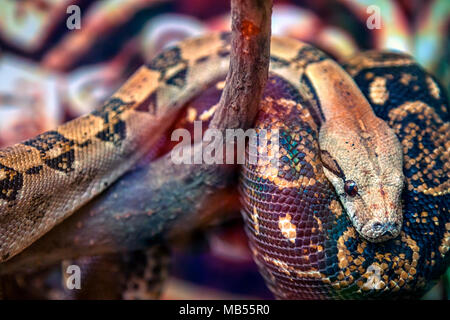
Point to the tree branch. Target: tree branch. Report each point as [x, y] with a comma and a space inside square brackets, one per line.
[249, 64]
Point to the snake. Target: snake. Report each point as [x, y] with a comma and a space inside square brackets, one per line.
[354, 205]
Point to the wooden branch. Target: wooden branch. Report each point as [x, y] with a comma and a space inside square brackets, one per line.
[249, 64]
[162, 197]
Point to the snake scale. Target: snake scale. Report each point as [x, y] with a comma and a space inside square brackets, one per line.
[354, 207]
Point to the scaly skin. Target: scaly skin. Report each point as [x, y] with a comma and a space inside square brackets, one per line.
[305, 244]
[45, 179]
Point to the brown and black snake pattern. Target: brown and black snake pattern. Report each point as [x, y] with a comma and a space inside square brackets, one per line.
[300, 235]
[302, 240]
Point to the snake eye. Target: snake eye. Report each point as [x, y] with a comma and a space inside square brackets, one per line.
[350, 188]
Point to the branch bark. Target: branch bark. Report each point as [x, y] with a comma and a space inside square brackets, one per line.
[249, 64]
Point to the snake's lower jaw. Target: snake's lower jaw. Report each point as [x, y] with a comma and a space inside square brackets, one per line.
[379, 231]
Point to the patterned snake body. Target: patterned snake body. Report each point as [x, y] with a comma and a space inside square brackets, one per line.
[47, 178]
[305, 245]
[301, 238]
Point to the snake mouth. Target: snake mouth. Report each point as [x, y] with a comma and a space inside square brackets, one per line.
[379, 231]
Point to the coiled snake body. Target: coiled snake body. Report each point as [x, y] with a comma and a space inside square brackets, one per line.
[388, 243]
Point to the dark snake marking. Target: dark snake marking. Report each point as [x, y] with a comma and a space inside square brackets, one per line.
[225, 37]
[149, 104]
[383, 56]
[34, 170]
[178, 79]
[165, 60]
[279, 61]
[312, 95]
[39, 205]
[224, 52]
[11, 184]
[115, 130]
[202, 59]
[307, 55]
[330, 163]
[48, 141]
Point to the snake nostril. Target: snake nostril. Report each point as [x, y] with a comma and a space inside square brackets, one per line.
[384, 229]
[377, 226]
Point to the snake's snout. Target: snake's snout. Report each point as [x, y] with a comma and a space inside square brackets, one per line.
[376, 231]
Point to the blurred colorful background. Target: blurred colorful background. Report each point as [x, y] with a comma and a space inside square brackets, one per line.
[58, 61]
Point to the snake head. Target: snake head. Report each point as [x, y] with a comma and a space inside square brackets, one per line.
[363, 161]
